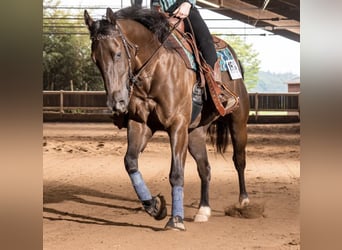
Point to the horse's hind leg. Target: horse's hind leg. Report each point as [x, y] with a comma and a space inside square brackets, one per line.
[138, 136]
[238, 132]
[198, 150]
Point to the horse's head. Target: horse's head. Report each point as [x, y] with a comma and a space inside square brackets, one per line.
[109, 53]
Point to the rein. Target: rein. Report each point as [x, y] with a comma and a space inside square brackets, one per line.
[133, 78]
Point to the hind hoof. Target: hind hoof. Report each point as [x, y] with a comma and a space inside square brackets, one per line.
[175, 223]
[203, 214]
[244, 202]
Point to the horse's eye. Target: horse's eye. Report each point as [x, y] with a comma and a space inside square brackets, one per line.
[117, 56]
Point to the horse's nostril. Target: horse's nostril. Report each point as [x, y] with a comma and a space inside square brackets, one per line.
[120, 106]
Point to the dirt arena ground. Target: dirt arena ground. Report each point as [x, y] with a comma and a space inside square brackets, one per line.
[89, 202]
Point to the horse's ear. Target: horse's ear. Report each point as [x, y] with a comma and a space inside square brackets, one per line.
[110, 16]
[87, 19]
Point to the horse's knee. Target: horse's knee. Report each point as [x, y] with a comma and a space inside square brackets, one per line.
[177, 178]
[131, 164]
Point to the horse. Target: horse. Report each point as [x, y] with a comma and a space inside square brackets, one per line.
[148, 85]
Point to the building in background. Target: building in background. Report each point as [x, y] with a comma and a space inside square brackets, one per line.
[293, 85]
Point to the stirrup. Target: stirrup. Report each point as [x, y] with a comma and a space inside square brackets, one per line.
[228, 99]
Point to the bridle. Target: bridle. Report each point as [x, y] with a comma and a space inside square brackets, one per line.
[131, 51]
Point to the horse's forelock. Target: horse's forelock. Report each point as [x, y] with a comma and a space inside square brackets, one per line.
[101, 27]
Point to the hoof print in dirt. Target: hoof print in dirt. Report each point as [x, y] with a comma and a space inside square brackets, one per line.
[250, 211]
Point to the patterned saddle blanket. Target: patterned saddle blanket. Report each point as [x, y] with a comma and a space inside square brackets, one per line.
[227, 60]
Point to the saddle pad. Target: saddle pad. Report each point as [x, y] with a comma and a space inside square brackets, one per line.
[228, 63]
[191, 63]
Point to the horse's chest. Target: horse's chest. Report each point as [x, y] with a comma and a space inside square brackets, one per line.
[141, 109]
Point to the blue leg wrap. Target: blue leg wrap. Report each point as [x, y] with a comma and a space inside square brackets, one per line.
[177, 202]
[140, 186]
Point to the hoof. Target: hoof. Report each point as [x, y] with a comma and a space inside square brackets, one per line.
[203, 214]
[175, 223]
[244, 202]
[158, 208]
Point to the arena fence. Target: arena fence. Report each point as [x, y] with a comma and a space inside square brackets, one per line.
[263, 106]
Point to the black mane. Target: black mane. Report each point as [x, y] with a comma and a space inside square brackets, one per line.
[155, 21]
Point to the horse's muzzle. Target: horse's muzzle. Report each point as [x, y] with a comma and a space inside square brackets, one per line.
[120, 107]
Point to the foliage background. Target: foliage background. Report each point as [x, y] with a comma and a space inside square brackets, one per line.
[66, 52]
[248, 57]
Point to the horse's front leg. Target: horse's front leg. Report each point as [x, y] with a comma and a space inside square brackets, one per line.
[198, 150]
[138, 136]
[179, 142]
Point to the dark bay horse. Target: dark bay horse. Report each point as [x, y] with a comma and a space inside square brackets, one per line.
[149, 85]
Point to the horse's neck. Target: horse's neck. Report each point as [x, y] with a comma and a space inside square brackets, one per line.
[144, 41]
[139, 35]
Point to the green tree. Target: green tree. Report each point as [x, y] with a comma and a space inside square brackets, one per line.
[66, 52]
[248, 57]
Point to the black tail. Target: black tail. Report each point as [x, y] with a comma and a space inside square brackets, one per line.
[219, 134]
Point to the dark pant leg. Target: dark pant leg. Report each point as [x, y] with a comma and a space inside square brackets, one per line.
[203, 37]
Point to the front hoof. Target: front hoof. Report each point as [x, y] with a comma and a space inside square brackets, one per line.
[203, 214]
[175, 223]
[157, 209]
[160, 207]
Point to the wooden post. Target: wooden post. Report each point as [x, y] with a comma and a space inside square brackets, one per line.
[256, 106]
[61, 100]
